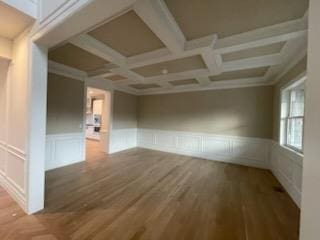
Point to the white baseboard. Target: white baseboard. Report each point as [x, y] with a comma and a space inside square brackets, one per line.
[14, 191]
[238, 150]
[287, 166]
[122, 139]
[12, 167]
[64, 149]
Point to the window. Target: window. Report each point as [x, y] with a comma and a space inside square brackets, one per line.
[292, 116]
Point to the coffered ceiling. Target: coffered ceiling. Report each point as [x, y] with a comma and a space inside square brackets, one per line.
[76, 57]
[160, 46]
[127, 34]
[173, 66]
[199, 18]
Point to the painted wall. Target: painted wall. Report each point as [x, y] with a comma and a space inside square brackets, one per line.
[4, 68]
[5, 48]
[65, 143]
[14, 120]
[287, 165]
[245, 112]
[311, 175]
[124, 110]
[64, 105]
[292, 74]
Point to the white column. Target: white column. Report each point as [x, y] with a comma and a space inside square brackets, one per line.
[310, 211]
[37, 128]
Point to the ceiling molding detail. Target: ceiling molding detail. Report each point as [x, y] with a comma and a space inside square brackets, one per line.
[155, 14]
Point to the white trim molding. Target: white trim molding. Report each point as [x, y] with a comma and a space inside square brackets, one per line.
[64, 149]
[287, 166]
[238, 150]
[7, 178]
[122, 139]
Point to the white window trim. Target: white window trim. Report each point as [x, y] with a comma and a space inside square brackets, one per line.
[287, 87]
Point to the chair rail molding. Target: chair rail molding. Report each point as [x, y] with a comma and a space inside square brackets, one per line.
[238, 150]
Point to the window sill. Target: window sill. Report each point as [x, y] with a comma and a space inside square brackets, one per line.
[292, 150]
[295, 155]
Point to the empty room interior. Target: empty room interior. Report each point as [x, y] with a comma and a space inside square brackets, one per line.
[159, 119]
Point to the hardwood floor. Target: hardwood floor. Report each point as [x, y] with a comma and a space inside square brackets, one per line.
[142, 194]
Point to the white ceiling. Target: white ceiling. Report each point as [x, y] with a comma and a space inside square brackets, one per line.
[12, 21]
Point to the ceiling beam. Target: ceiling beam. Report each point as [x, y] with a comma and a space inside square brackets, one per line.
[104, 71]
[256, 38]
[158, 18]
[204, 81]
[255, 62]
[98, 48]
[262, 37]
[192, 48]
[213, 62]
[292, 53]
[213, 85]
[249, 63]
[117, 61]
[63, 70]
[128, 74]
[178, 76]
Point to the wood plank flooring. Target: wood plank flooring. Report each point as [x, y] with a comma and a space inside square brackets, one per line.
[148, 195]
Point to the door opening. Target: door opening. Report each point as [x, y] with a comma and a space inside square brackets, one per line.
[97, 120]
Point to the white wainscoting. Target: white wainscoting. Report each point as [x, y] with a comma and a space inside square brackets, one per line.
[287, 166]
[122, 139]
[239, 150]
[64, 149]
[12, 168]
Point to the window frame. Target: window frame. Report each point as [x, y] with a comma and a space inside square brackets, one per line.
[288, 89]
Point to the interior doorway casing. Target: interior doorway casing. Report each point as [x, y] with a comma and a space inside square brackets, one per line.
[106, 122]
[72, 19]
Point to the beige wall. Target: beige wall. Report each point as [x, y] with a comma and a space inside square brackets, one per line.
[65, 105]
[124, 110]
[5, 48]
[240, 112]
[297, 70]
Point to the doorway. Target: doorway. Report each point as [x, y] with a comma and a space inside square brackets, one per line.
[97, 123]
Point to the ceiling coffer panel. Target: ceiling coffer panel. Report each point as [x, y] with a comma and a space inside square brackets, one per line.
[240, 74]
[229, 17]
[184, 82]
[142, 86]
[76, 57]
[254, 52]
[174, 66]
[128, 35]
